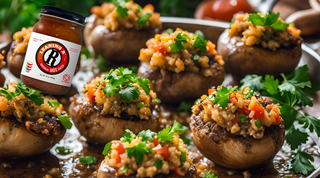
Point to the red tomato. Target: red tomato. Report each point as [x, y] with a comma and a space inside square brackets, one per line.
[91, 93]
[222, 9]
[165, 152]
[159, 47]
[155, 141]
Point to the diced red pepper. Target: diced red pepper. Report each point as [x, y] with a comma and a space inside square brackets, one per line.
[245, 110]
[115, 155]
[165, 152]
[119, 147]
[210, 91]
[258, 110]
[91, 92]
[155, 141]
[159, 47]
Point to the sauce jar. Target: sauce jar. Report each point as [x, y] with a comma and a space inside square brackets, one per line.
[53, 51]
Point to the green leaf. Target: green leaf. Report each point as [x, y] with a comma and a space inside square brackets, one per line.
[280, 26]
[128, 136]
[7, 94]
[183, 157]
[222, 97]
[53, 103]
[209, 175]
[186, 140]
[88, 160]
[34, 95]
[272, 18]
[169, 31]
[295, 137]
[271, 84]
[253, 81]
[65, 121]
[232, 22]
[180, 38]
[165, 135]
[184, 106]
[122, 12]
[256, 19]
[196, 57]
[144, 83]
[158, 100]
[178, 128]
[258, 123]
[250, 93]
[138, 151]
[301, 163]
[288, 114]
[303, 99]
[61, 150]
[144, 19]
[124, 170]
[102, 63]
[140, 105]
[129, 93]
[199, 32]
[200, 43]
[110, 90]
[158, 164]
[107, 148]
[147, 135]
[314, 124]
[300, 77]
[243, 118]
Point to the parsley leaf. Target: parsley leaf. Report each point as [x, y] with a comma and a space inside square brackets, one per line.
[110, 90]
[178, 128]
[271, 84]
[180, 38]
[186, 140]
[28, 92]
[53, 103]
[301, 164]
[107, 148]
[140, 105]
[183, 157]
[311, 122]
[280, 26]
[184, 106]
[128, 136]
[209, 175]
[121, 10]
[144, 19]
[253, 82]
[222, 97]
[147, 135]
[124, 170]
[258, 123]
[144, 83]
[169, 31]
[138, 151]
[7, 94]
[256, 19]
[88, 160]
[165, 135]
[129, 93]
[243, 118]
[272, 18]
[65, 121]
[201, 43]
[199, 32]
[158, 164]
[295, 137]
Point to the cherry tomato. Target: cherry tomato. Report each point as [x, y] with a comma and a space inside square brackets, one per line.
[222, 9]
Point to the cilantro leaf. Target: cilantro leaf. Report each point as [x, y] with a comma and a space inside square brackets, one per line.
[300, 77]
[271, 18]
[124, 170]
[311, 122]
[28, 92]
[178, 128]
[256, 19]
[129, 93]
[184, 106]
[7, 94]
[144, 83]
[110, 90]
[53, 103]
[65, 121]
[147, 135]
[301, 163]
[128, 136]
[88, 160]
[243, 118]
[107, 148]
[209, 175]
[183, 157]
[295, 137]
[138, 151]
[122, 11]
[180, 38]
[271, 84]
[201, 43]
[144, 19]
[222, 97]
[165, 135]
[253, 82]
[280, 26]
[158, 164]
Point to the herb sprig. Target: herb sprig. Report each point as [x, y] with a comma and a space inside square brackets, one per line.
[271, 19]
[291, 94]
[222, 96]
[121, 10]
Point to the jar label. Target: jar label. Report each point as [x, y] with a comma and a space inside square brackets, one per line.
[51, 59]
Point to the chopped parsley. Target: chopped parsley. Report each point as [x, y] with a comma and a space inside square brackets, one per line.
[222, 96]
[144, 19]
[199, 32]
[258, 123]
[88, 160]
[178, 128]
[128, 136]
[169, 31]
[65, 121]
[183, 157]
[200, 42]
[158, 164]
[121, 10]
[243, 118]
[301, 163]
[180, 38]
[124, 170]
[158, 100]
[138, 151]
[107, 148]
[166, 135]
[128, 94]
[186, 140]
[271, 19]
[61, 150]
[53, 103]
[209, 175]
[140, 105]
[147, 135]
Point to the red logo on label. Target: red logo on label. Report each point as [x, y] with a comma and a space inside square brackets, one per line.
[52, 57]
[29, 66]
[66, 78]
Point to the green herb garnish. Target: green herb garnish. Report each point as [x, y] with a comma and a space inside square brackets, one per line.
[183, 157]
[178, 128]
[196, 57]
[53, 103]
[222, 96]
[140, 105]
[169, 31]
[200, 42]
[147, 135]
[138, 151]
[128, 136]
[186, 140]
[124, 170]
[107, 148]
[65, 121]
[243, 118]
[166, 135]
[121, 10]
[301, 163]
[184, 106]
[144, 19]
[61, 150]
[158, 164]
[258, 123]
[209, 175]
[272, 20]
[88, 160]
[180, 38]
[158, 100]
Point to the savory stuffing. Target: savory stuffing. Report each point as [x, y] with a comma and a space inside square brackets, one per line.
[121, 92]
[180, 51]
[21, 40]
[27, 106]
[149, 153]
[240, 112]
[2, 62]
[268, 31]
[126, 14]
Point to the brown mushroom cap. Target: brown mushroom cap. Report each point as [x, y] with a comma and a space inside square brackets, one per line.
[241, 59]
[16, 141]
[97, 128]
[233, 151]
[174, 87]
[119, 46]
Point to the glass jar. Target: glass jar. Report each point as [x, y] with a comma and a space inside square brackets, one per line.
[53, 51]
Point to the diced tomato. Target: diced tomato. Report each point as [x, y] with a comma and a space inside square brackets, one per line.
[210, 91]
[119, 147]
[258, 110]
[244, 110]
[91, 92]
[155, 141]
[178, 171]
[115, 155]
[3, 103]
[159, 47]
[165, 152]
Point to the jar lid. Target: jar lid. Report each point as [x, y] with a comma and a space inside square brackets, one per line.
[66, 14]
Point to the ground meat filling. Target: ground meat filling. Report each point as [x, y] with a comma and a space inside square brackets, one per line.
[107, 15]
[21, 39]
[161, 54]
[38, 118]
[264, 36]
[248, 117]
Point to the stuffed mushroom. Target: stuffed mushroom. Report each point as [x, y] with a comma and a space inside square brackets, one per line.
[113, 103]
[147, 154]
[30, 123]
[120, 30]
[260, 44]
[180, 65]
[2, 64]
[237, 129]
